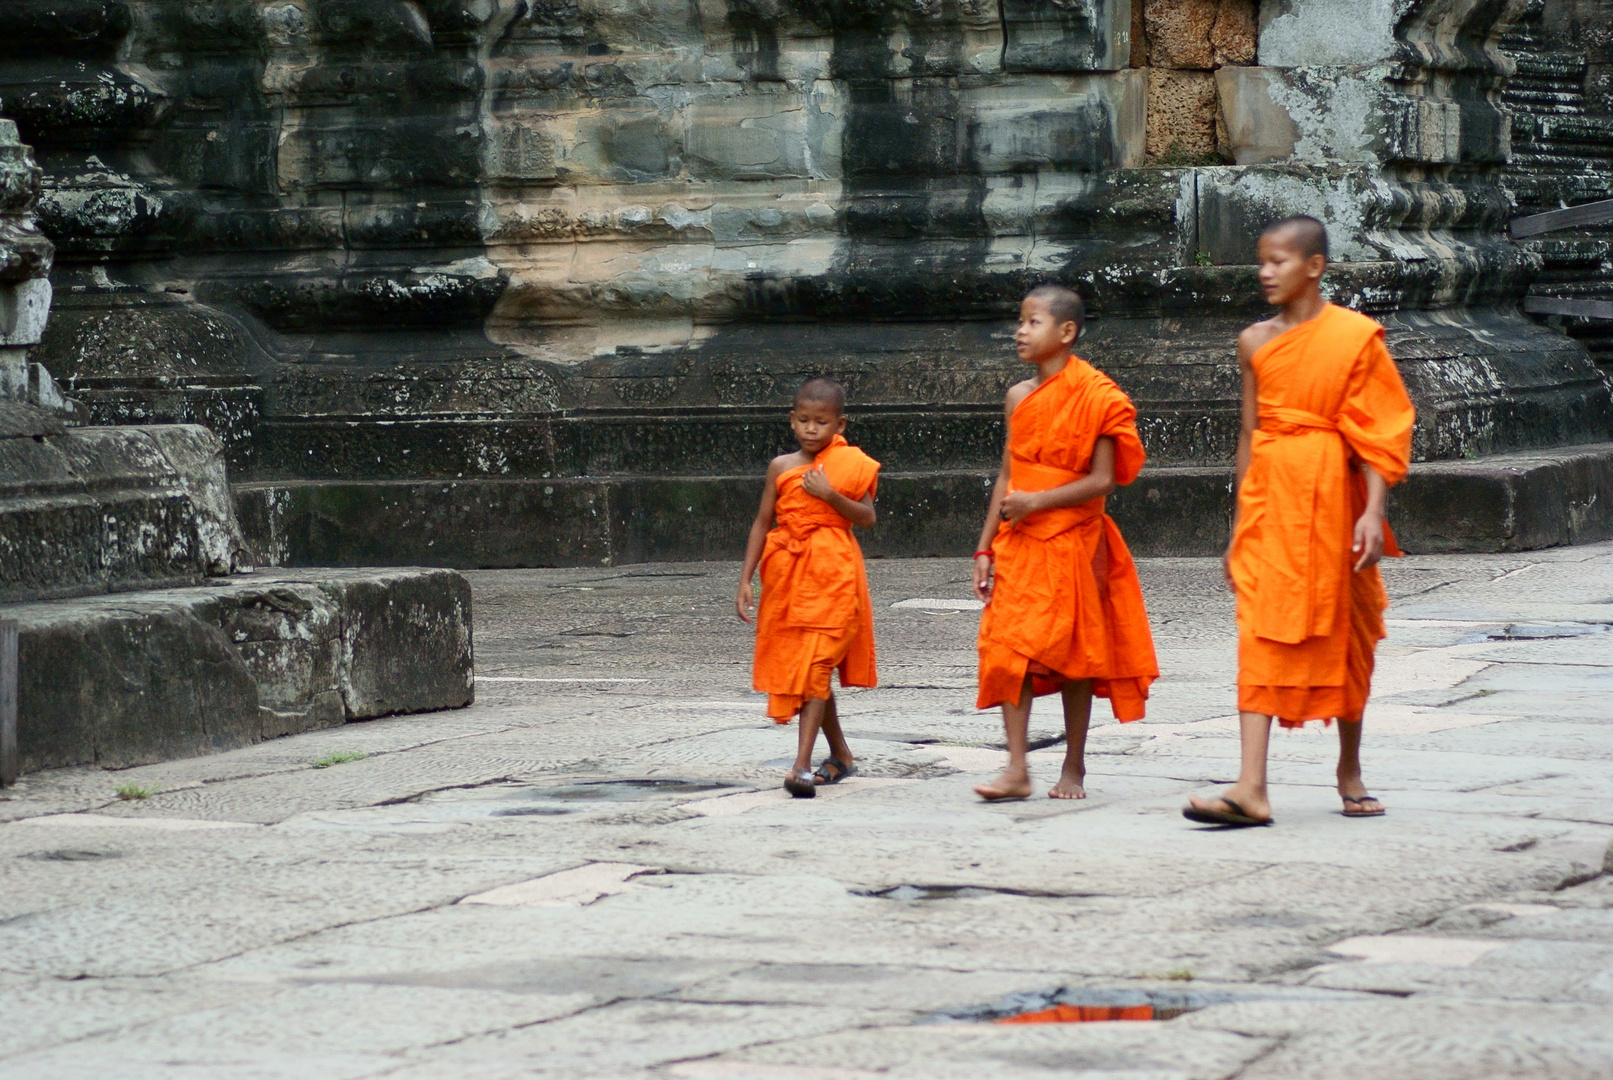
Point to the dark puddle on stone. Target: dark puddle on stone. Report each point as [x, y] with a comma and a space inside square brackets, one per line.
[532, 811]
[1076, 1005]
[71, 855]
[617, 791]
[919, 893]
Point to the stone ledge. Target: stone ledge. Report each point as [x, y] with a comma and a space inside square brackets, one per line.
[141, 677]
[1502, 503]
[605, 520]
[1508, 502]
[100, 509]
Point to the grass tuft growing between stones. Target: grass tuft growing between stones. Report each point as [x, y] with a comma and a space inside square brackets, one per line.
[340, 757]
[135, 791]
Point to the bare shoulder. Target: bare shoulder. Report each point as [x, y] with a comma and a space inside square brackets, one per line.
[1256, 335]
[1017, 393]
[785, 462]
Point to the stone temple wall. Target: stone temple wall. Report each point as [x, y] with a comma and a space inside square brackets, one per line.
[394, 249]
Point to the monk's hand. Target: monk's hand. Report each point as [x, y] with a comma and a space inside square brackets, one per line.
[1017, 504]
[1367, 545]
[816, 484]
[1226, 568]
[745, 602]
[983, 579]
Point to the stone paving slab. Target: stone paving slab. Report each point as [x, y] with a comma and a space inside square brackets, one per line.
[592, 872]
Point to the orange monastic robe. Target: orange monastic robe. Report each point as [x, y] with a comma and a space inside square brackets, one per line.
[815, 615]
[1066, 604]
[1330, 398]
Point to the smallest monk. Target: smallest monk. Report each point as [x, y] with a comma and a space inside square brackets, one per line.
[1326, 432]
[815, 615]
[1063, 606]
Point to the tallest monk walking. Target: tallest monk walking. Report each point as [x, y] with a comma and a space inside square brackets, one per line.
[1326, 432]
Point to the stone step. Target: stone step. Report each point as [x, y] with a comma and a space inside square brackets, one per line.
[1506, 502]
[98, 509]
[148, 676]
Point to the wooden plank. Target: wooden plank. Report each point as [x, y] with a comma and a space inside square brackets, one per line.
[8, 701]
[1553, 305]
[1594, 213]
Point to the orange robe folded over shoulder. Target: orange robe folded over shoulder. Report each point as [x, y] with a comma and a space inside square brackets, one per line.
[815, 615]
[1066, 603]
[1308, 624]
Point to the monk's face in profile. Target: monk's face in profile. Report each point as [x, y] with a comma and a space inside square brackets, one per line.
[815, 424]
[1041, 336]
[1286, 271]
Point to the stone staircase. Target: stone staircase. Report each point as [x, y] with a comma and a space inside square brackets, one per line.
[1562, 155]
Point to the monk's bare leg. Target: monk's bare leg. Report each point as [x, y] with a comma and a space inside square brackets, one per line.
[1249, 793]
[1349, 773]
[839, 749]
[1015, 781]
[812, 713]
[1077, 717]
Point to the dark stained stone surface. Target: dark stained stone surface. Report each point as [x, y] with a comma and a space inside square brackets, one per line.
[149, 676]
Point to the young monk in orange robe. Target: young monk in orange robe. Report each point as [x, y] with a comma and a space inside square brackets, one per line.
[1326, 431]
[815, 615]
[1064, 609]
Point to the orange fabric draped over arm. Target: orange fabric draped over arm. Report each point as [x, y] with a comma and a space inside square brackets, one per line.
[815, 615]
[1330, 399]
[1066, 604]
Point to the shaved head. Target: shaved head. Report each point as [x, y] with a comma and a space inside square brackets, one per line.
[1308, 235]
[1064, 304]
[823, 391]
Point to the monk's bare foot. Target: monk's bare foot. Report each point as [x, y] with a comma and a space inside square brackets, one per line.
[1242, 803]
[1070, 786]
[1357, 803]
[1010, 785]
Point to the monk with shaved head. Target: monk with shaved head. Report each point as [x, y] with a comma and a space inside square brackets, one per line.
[1326, 429]
[1063, 606]
[815, 616]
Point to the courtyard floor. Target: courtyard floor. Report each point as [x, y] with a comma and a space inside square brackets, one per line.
[593, 872]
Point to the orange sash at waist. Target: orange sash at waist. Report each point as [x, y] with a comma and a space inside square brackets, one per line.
[1285, 421]
[1024, 475]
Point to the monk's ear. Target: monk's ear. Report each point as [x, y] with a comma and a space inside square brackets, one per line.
[840, 424]
[1316, 266]
[1068, 332]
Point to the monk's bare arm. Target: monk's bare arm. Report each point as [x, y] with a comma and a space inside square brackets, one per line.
[999, 492]
[1097, 483]
[745, 599]
[1249, 343]
[1368, 540]
[859, 512]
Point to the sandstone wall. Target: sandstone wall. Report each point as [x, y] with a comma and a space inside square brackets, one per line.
[504, 238]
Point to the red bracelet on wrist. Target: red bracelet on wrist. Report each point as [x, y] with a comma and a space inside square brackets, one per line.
[988, 554]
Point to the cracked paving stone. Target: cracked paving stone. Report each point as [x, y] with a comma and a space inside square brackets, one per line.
[594, 871]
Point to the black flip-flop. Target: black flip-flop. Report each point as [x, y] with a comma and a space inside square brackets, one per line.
[1351, 800]
[821, 775]
[1233, 816]
[800, 785]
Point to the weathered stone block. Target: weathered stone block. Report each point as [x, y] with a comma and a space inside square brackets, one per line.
[24, 309]
[106, 685]
[1057, 35]
[1258, 130]
[1301, 33]
[748, 137]
[97, 509]
[1099, 124]
[1510, 502]
[1199, 34]
[405, 642]
[143, 677]
[1181, 116]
